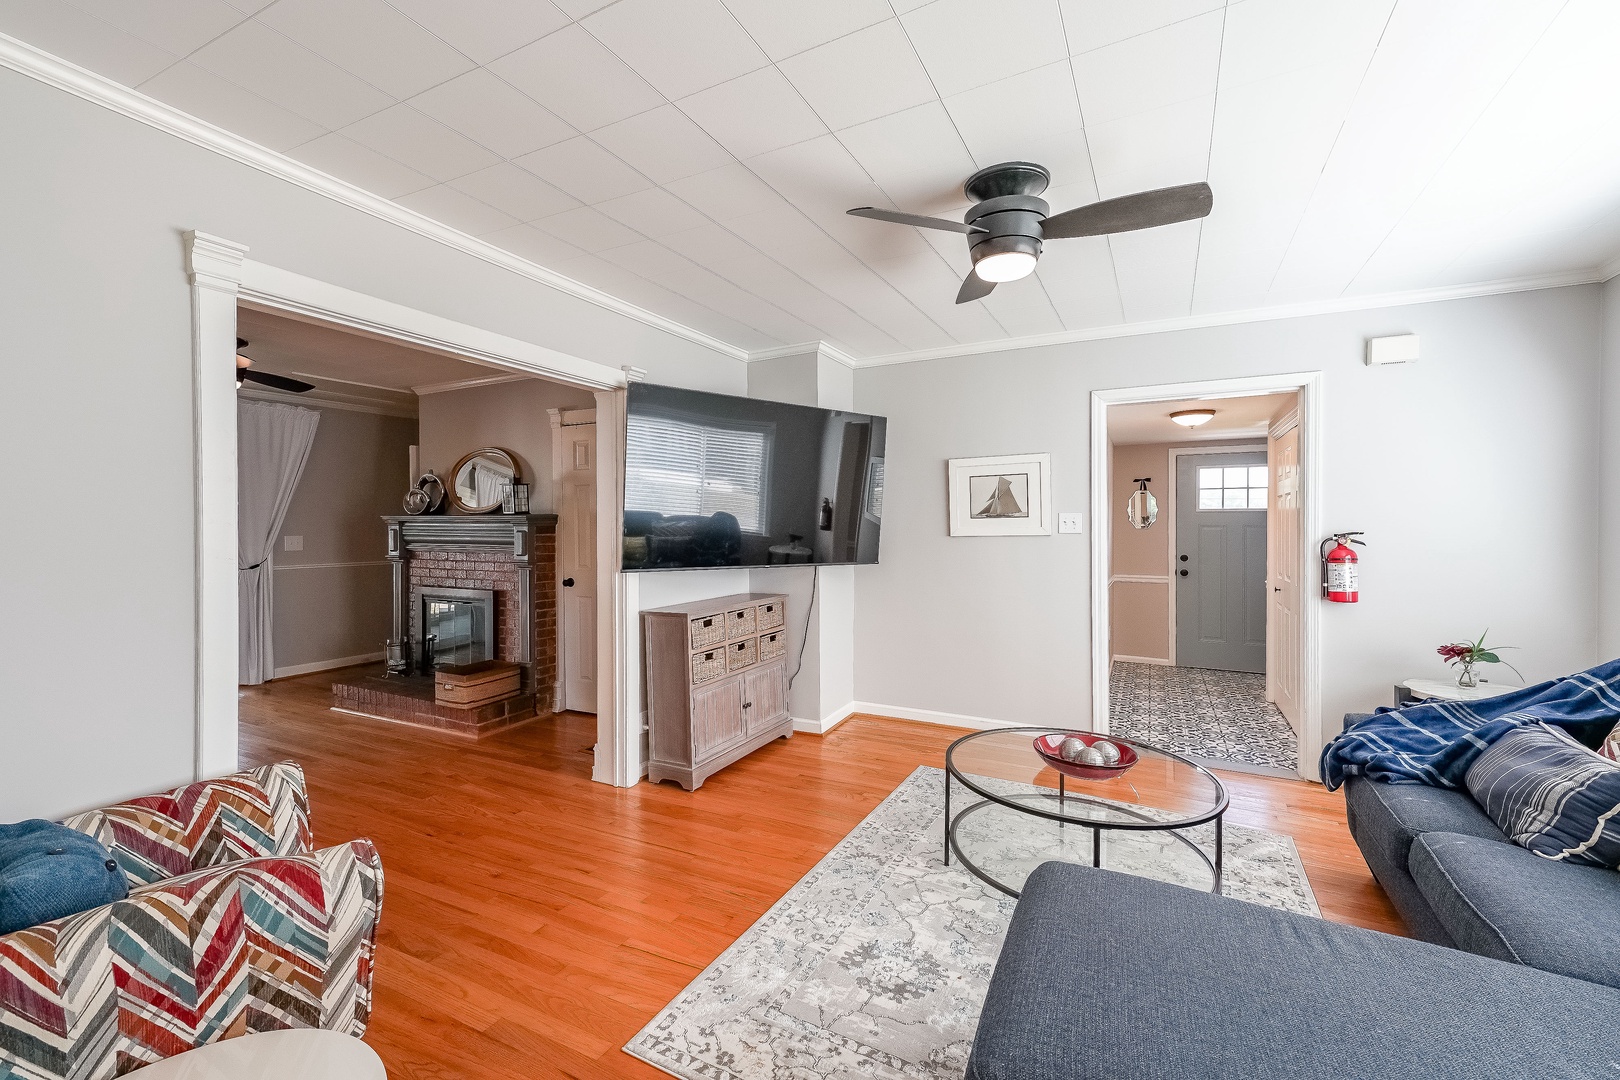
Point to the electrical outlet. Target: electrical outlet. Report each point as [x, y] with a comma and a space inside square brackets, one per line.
[292, 543]
[1069, 523]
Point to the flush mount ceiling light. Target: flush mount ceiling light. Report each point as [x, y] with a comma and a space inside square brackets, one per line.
[1193, 417]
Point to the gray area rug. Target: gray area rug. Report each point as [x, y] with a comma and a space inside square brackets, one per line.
[876, 963]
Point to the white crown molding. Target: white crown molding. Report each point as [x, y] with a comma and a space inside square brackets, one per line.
[37, 64]
[465, 384]
[1609, 269]
[213, 262]
[821, 348]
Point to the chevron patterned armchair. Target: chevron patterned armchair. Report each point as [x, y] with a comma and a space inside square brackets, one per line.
[233, 925]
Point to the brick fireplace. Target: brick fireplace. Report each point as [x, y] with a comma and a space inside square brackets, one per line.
[511, 557]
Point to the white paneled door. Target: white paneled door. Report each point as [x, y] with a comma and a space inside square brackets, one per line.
[1286, 595]
[574, 441]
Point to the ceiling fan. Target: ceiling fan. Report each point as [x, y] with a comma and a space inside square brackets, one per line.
[245, 373]
[1007, 222]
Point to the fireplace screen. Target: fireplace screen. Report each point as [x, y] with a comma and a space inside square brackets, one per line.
[461, 622]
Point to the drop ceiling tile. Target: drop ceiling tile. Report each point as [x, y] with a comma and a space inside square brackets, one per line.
[663, 144]
[819, 174]
[785, 29]
[176, 26]
[578, 78]
[1091, 24]
[65, 31]
[515, 191]
[1034, 116]
[654, 213]
[486, 29]
[729, 192]
[711, 246]
[1266, 38]
[492, 113]
[1158, 148]
[963, 45]
[915, 156]
[1150, 71]
[588, 229]
[1023, 308]
[371, 40]
[421, 142]
[931, 284]
[861, 76]
[530, 243]
[680, 46]
[205, 95]
[455, 208]
[259, 59]
[348, 160]
[759, 112]
[584, 170]
[1078, 274]
[1155, 269]
[578, 9]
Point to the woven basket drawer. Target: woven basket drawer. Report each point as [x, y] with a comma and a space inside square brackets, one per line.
[708, 630]
[741, 654]
[708, 665]
[772, 645]
[740, 623]
[769, 615]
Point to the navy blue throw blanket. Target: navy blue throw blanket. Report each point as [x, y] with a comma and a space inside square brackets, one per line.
[1434, 742]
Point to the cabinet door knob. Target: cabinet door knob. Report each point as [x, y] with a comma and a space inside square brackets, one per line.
[1183, 573]
[568, 583]
[748, 704]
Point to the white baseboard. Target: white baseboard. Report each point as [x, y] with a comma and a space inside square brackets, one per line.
[927, 716]
[828, 722]
[326, 665]
[1122, 659]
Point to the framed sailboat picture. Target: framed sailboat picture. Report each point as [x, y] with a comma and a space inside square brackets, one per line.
[1001, 496]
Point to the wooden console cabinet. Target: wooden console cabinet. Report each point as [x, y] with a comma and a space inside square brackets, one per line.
[717, 683]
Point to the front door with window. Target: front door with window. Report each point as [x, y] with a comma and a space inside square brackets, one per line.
[1220, 563]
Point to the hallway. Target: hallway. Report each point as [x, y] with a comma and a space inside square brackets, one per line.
[1211, 715]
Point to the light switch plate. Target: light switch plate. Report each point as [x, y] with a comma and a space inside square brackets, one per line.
[1069, 523]
[292, 543]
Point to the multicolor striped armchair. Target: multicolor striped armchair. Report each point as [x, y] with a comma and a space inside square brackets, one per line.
[232, 926]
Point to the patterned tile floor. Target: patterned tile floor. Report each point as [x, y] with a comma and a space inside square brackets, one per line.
[1201, 712]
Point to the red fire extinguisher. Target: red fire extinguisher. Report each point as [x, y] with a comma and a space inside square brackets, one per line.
[1340, 573]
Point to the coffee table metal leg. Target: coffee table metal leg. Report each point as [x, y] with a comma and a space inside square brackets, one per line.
[1220, 830]
[1063, 796]
[1096, 847]
[947, 817]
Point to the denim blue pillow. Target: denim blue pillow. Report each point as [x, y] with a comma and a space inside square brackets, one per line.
[1551, 795]
[49, 871]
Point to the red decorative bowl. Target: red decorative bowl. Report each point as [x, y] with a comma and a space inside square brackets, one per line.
[1048, 746]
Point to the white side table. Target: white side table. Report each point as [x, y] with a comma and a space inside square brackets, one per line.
[1410, 690]
[299, 1054]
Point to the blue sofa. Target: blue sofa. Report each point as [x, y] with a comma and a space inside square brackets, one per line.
[1516, 976]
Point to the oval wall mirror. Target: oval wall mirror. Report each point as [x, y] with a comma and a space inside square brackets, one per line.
[1141, 509]
[480, 480]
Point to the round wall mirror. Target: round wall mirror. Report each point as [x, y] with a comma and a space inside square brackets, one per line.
[480, 480]
[1141, 509]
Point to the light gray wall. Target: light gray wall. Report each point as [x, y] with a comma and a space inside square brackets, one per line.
[96, 313]
[1473, 473]
[1608, 577]
[334, 599]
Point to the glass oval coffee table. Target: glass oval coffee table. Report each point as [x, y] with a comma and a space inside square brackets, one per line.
[1026, 813]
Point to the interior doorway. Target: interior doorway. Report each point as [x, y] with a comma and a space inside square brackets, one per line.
[573, 471]
[1201, 643]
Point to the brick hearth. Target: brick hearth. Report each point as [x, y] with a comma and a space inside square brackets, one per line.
[410, 700]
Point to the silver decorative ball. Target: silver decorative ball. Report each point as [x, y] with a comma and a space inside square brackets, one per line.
[1071, 749]
[1092, 756]
[1108, 750]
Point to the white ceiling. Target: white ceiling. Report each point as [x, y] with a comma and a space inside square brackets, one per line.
[695, 157]
[1235, 417]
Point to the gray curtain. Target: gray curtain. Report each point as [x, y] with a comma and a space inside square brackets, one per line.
[273, 444]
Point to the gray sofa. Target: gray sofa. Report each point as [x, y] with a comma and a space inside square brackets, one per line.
[1110, 977]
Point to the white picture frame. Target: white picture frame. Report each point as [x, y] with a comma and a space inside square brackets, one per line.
[1007, 495]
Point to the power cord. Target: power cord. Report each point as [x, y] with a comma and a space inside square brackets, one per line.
[815, 580]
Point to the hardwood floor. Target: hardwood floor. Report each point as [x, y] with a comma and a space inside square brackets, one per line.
[534, 921]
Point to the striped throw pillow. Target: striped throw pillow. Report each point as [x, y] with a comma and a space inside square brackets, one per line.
[1551, 795]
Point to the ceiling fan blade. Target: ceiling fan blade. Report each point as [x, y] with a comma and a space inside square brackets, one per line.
[918, 220]
[275, 382]
[1144, 210]
[974, 287]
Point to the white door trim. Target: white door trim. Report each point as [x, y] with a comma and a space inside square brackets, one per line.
[221, 276]
[1310, 388]
[1171, 495]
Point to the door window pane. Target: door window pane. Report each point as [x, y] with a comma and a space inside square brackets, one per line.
[1232, 487]
[1209, 478]
[1209, 498]
[1257, 476]
[1236, 477]
[1236, 499]
[1257, 498]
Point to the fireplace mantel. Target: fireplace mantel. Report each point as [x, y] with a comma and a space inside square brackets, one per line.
[524, 541]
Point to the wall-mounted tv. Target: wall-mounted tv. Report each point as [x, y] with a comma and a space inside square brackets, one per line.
[713, 480]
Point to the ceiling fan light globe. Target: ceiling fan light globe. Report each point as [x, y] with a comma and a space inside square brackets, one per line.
[1005, 266]
[1192, 417]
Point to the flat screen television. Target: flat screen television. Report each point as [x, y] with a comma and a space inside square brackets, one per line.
[714, 480]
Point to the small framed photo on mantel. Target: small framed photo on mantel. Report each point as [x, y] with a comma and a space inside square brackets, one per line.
[1001, 496]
